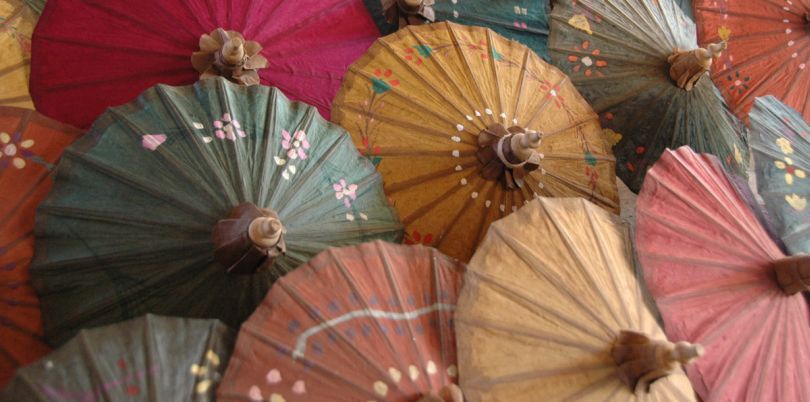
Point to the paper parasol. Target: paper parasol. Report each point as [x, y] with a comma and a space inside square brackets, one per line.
[372, 322]
[191, 200]
[148, 359]
[525, 21]
[780, 140]
[716, 276]
[768, 50]
[29, 146]
[466, 127]
[17, 22]
[551, 310]
[638, 63]
[106, 52]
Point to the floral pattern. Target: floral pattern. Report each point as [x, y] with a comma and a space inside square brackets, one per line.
[295, 144]
[418, 238]
[791, 171]
[417, 53]
[206, 375]
[14, 150]
[553, 93]
[345, 192]
[738, 83]
[590, 64]
[383, 81]
[228, 128]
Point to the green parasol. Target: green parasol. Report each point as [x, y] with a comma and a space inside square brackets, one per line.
[150, 358]
[192, 200]
[638, 63]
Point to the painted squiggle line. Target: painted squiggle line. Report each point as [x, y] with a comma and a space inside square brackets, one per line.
[301, 342]
[95, 394]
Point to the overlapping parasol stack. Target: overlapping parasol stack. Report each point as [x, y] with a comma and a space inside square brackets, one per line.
[17, 22]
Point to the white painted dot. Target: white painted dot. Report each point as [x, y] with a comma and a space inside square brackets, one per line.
[460, 127]
[49, 365]
[455, 1]
[198, 125]
[456, 153]
[395, 374]
[413, 372]
[488, 203]
[587, 61]
[474, 195]
[542, 171]
[553, 92]
[791, 43]
[452, 370]
[455, 14]
[477, 113]
[802, 66]
[381, 388]
[541, 185]
[463, 181]
[455, 138]
[786, 21]
[363, 216]
[794, 55]
[488, 111]
[787, 31]
[738, 83]
[502, 208]
[431, 367]
[503, 116]
[459, 168]
[470, 118]
[514, 121]
[786, 8]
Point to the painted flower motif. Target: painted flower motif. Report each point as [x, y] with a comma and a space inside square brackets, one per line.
[724, 32]
[790, 170]
[552, 93]
[796, 202]
[785, 145]
[228, 128]
[371, 152]
[382, 81]
[417, 53]
[204, 373]
[738, 84]
[346, 192]
[14, 150]
[418, 238]
[482, 47]
[589, 65]
[295, 144]
[612, 137]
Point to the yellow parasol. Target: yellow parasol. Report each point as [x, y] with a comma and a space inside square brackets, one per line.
[466, 126]
[551, 310]
[17, 22]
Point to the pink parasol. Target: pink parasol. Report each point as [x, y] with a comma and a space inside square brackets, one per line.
[92, 54]
[721, 281]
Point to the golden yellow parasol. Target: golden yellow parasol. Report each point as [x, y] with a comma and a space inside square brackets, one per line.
[17, 22]
[467, 126]
[551, 310]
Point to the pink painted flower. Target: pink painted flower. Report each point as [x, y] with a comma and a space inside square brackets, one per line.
[295, 144]
[345, 192]
[228, 128]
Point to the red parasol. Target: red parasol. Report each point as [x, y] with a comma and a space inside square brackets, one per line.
[105, 52]
[29, 145]
[768, 50]
[360, 323]
[721, 281]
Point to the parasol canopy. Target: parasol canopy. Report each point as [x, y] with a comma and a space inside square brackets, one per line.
[525, 21]
[551, 310]
[495, 126]
[720, 280]
[639, 65]
[148, 359]
[780, 140]
[360, 323]
[768, 50]
[29, 146]
[106, 52]
[192, 200]
[17, 22]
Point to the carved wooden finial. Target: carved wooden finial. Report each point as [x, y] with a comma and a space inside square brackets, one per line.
[687, 67]
[642, 360]
[793, 274]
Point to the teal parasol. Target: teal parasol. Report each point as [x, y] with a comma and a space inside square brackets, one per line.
[192, 200]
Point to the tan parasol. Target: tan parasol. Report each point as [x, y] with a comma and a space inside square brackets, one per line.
[551, 310]
[466, 126]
